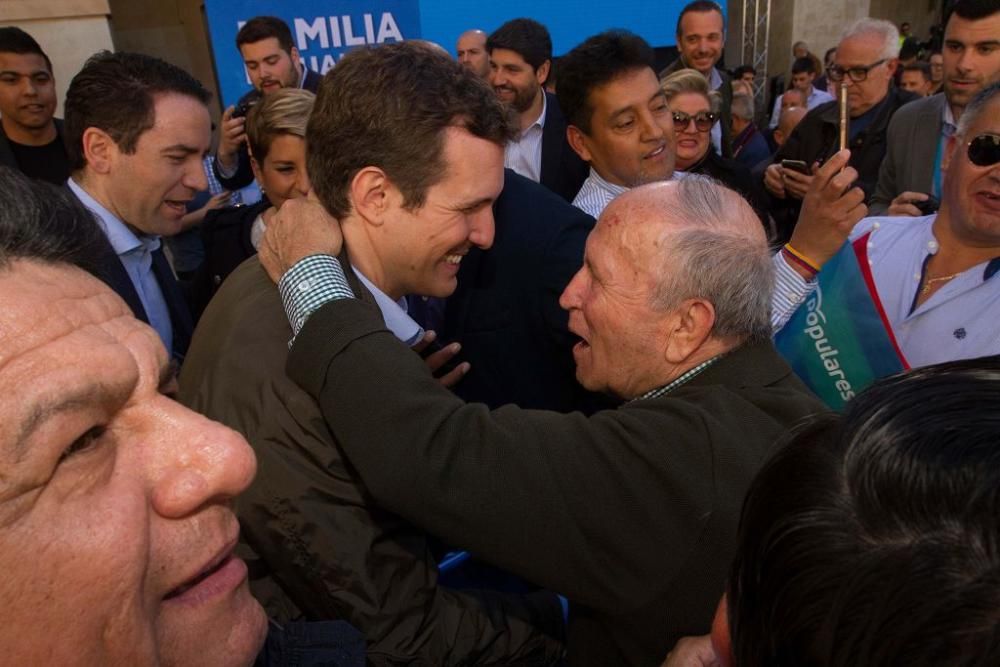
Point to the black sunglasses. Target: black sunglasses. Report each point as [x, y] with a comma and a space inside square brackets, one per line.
[858, 74]
[984, 150]
[703, 120]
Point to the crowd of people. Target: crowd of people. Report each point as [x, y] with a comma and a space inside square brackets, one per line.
[486, 358]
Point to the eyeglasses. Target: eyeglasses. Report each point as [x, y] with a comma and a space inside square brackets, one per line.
[703, 120]
[858, 74]
[984, 150]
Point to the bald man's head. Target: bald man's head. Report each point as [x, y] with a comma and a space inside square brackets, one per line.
[786, 123]
[674, 273]
[471, 52]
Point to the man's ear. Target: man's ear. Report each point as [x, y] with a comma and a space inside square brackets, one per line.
[690, 326]
[295, 56]
[892, 65]
[578, 142]
[371, 195]
[99, 150]
[542, 73]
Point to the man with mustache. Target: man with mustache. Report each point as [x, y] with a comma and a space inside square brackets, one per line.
[911, 172]
[273, 63]
[520, 58]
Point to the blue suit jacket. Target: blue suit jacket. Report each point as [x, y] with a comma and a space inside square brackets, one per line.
[505, 311]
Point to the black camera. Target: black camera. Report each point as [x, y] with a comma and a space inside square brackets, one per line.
[244, 106]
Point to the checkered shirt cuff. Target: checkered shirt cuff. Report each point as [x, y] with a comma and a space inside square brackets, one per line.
[312, 282]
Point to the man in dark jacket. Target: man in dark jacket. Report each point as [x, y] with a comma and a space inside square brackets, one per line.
[324, 548]
[865, 61]
[631, 514]
[520, 58]
[273, 63]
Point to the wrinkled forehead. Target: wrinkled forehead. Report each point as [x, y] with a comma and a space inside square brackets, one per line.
[46, 302]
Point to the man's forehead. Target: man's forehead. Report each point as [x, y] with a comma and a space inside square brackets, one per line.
[261, 49]
[22, 63]
[701, 22]
[629, 89]
[858, 50]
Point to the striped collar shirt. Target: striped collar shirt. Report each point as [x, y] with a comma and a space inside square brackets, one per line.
[597, 193]
[683, 379]
[524, 154]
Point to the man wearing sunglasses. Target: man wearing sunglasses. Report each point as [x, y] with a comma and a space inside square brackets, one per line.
[911, 173]
[935, 276]
[866, 60]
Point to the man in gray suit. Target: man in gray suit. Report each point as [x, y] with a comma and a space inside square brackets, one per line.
[911, 171]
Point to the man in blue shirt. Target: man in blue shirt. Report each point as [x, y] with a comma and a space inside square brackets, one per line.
[136, 163]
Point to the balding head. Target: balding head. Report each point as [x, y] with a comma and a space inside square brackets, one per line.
[787, 122]
[471, 52]
[675, 273]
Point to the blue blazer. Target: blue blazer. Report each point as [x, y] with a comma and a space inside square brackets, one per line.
[505, 311]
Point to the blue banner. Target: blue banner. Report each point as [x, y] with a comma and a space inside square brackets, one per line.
[838, 341]
[323, 31]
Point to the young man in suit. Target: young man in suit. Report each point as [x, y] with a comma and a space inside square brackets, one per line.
[631, 513]
[136, 163]
[520, 58]
[272, 62]
[911, 171]
[413, 186]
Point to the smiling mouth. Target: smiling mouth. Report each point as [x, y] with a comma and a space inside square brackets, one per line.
[453, 259]
[655, 152]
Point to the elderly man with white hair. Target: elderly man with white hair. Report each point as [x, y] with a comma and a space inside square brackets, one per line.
[630, 513]
[866, 59]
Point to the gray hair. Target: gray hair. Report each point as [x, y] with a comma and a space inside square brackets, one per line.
[742, 106]
[719, 257]
[885, 30]
[974, 108]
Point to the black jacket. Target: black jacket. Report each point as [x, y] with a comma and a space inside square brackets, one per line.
[243, 176]
[631, 513]
[505, 311]
[225, 234]
[563, 171]
[817, 137]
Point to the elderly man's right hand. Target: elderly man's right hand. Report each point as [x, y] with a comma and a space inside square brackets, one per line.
[300, 228]
[830, 209]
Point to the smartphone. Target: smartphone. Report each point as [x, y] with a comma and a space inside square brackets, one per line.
[796, 165]
[928, 206]
[243, 108]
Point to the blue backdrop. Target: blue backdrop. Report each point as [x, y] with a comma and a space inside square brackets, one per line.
[326, 29]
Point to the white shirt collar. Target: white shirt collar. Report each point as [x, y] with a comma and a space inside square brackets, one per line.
[122, 239]
[394, 313]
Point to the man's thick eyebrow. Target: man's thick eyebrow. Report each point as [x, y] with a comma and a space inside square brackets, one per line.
[183, 148]
[6, 72]
[90, 395]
